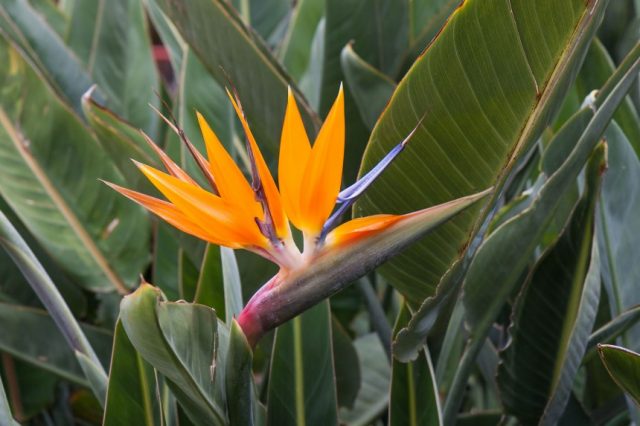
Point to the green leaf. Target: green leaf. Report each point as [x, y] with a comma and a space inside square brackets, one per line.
[373, 397]
[296, 47]
[46, 346]
[165, 262]
[219, 283]
[81, 27]
[500, 259]
[121, 141]
[15, 288]
[379, 34]
[618, 223]
[120, 59]
[553, 318]
[414, 394]
[6, 419]
[232, 52]
[302, 388]
[598, 67]
[426, 17]
[44, 48]
[370, 89]
[48, 9]
[624, 367]
[347, 366]
[488, 61]
[506, 246]
[131, 391]
[95, 375]
[239, 379]
[609, 331]
[50, 165]
[197, 91]
[181, 341]
[270, 19]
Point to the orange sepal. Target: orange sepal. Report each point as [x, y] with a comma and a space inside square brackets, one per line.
[362, 227]
[223, 220]
[323, 173]
[231, 183]
[295, 151]
[272, 194]
[169, 213]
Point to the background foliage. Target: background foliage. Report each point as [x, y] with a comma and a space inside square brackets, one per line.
[508, 314]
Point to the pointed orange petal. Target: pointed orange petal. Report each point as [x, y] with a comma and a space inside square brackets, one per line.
[168, 163]
[295, 150]
[323, 174]
[361, 227]
[271, 190]
[220, 218]
[232, 184]
[169, 213]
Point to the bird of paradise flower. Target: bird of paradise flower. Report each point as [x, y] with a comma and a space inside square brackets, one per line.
[257, 216]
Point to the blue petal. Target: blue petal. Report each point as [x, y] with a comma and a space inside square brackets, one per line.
[349, 195]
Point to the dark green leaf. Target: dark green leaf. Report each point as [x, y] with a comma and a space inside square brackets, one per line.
[414, 393]
[624, 367]
[376, 379]
[521, 234]
[96, 376]
[598, 67]
[121, 141]
[49, 167]
[609, 331]
[553, 318]
[239, 379]
[370, 89]
[44, 48]
[487, 62]
[181, 341]
[507, 244]
[296, 47]
[302, 388]
[347, 366]
[120, 60]
[232, 52]
[378, 32]
[45, 346]
[618, 224]
[131, 391]
[48, 9]
[426, 17]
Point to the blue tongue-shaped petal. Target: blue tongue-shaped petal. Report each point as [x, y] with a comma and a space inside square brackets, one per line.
[349, 195]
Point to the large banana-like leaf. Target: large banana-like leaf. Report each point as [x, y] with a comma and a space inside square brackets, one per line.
[45, 49]
[295, 51]
[624, 367]
[619, 224]
[50, 166]
[302, 388]
[113, 38]
[131, 397]
[181, 341]
[376, 378]
[45, 346]
[234, 54]
[414, 396]
[486, 87]
[553, 318]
